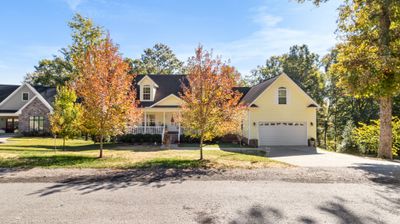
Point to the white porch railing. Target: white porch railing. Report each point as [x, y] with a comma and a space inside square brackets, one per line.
[146, 130]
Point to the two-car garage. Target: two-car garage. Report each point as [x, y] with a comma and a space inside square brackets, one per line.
[282, 133]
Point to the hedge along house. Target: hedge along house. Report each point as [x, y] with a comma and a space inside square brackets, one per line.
[279, 112]
[25, 108]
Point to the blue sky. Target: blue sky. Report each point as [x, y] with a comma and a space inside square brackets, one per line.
[245, 32]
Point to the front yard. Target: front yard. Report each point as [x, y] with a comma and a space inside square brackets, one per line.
[39, 152]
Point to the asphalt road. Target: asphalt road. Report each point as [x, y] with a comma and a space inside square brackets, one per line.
[200, 201]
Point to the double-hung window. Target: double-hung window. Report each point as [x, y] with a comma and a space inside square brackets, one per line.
[36, 123]
[25, 96]
[282, 95]
[146, 92]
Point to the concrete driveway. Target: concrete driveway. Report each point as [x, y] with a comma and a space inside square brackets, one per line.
[315, 157]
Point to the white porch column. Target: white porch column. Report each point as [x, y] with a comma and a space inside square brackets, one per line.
[179, 129]
[164, 119]
[145, 122]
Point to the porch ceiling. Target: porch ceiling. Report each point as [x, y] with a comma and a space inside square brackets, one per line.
[161, 109]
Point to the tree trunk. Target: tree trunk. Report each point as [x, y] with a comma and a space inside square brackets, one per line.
[201, 147]
[63, 143]
[101, 146]
[325, 133]
[335, 131]
[385, 138]
[55, 142]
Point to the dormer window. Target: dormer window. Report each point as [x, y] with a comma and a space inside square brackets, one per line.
[282, 95]
[146, 92]
[25, 96]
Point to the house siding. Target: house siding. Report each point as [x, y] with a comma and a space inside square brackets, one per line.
[35, 108]
[170, 101]
[16, 102]
[296, 109]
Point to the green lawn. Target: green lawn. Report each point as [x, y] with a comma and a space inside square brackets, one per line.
[40, 152]
[212, 146]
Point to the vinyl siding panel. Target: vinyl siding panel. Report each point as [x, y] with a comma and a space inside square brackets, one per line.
[296, 109]
[15, 102]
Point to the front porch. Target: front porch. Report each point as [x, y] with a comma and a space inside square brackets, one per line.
[8, 124]
[155, 121]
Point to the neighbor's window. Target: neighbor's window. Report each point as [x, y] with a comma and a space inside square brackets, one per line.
[282, 95]
[25, 96]
[36, 123]
[146, 92]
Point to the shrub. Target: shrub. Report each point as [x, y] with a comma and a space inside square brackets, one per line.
[189, 139]
[194, 140]
[348, 143]
[140, 138]
[36, 134]
[367, 137]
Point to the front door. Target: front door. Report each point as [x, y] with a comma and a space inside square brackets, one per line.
[11, 125]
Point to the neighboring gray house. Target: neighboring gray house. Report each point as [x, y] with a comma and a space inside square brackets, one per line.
[25, 108]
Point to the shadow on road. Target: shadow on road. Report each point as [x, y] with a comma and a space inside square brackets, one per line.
[381, 173]
[117, 180]
[336, 208]
[258, 214]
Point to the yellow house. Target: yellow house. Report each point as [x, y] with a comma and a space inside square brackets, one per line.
[279, 112]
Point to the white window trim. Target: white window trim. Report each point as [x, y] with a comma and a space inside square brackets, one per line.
[287, 95]
[142, 93]
[295, 84]
[22, 96]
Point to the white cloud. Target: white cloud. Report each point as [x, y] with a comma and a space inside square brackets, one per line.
[73, 4]
[264, 19]
[269, 39]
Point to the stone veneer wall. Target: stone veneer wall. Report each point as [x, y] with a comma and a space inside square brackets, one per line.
[35, 108]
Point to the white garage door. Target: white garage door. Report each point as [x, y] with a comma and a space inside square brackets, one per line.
[282, 133]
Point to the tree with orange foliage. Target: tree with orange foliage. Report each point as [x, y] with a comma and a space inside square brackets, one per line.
[108, 96]
[208, 96]
[233, 122]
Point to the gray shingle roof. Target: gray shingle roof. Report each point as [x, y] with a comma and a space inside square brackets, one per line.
[167, 85]
[242, 90]
[6, 90]
[256, 90]
[48, 93]
[172, 84]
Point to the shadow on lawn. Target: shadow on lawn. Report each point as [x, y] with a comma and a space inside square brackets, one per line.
[152, 174]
